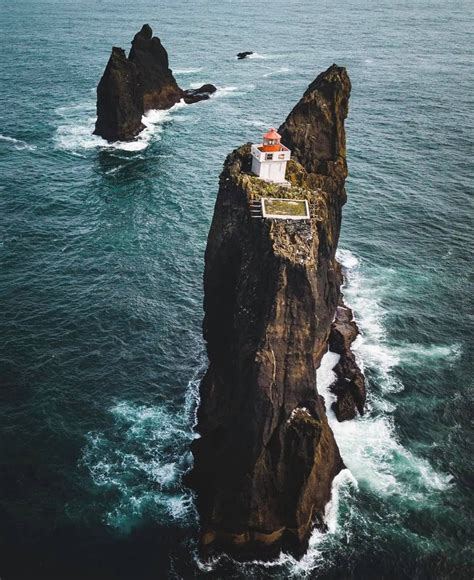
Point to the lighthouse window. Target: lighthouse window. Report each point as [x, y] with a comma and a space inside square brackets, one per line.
[269, 156]
[281, 156]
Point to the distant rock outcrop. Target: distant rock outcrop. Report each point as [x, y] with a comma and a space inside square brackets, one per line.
[266, 456]
[131, 86]
[242, 55]
[202, 93]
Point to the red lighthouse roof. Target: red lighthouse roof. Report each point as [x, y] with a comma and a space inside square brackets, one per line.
[272, 134]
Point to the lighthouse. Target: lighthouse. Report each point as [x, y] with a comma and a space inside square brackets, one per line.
[270, 157]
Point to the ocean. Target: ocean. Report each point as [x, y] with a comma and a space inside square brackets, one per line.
[101, 264]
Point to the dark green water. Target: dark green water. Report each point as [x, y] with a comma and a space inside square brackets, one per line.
[101, 260]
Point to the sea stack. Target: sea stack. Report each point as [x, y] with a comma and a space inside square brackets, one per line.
[132, 85]
[266, 457]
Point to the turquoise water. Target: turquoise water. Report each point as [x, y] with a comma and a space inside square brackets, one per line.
[101, 261]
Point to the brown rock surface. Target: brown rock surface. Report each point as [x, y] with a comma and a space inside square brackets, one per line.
[266, 457]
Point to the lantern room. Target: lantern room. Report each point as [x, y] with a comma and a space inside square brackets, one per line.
[270, 157]
[271, 141]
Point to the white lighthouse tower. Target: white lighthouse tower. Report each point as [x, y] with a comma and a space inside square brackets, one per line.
[270, 157]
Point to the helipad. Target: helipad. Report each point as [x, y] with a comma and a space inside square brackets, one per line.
[285, 209]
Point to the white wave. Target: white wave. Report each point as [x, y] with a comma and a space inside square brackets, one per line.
[314, 558]
[142, 458]
[226, 91]
[187, 71]
[257, 56]
[280, 71]
[370, 449]
[413, 353]
[232, 91]
[17, 143]
[260, 56]
[369, 445]
[371, 347]
[295, 567]
[75, 134]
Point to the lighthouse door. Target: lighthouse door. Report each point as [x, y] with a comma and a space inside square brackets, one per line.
[265, 172]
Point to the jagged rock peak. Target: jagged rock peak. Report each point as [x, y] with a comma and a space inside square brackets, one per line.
[314, 130]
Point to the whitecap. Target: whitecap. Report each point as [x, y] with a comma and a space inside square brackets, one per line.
[265, 56]
[413, 353]
[187, 71]
[257, 56]
[142, 458]
[18, 144]
[233, 91]
[280, 71]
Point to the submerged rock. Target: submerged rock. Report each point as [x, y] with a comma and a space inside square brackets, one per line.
[131, 86]
[266, 456]
[242, 55]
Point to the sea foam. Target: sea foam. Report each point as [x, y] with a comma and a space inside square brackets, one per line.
[369, 445]
[75, 132]
[141, 458]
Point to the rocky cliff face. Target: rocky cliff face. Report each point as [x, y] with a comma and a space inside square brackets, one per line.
[266, 456]
[131, 86]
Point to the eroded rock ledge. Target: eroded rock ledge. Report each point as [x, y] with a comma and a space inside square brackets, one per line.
[132, 85]
[266, 456]
[349, 386]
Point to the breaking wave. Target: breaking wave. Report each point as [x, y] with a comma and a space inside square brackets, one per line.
[74, 134]
[280, 71]
[187, 71]
[260, 56]
[226, 91]
[141, 459]
[17, 143]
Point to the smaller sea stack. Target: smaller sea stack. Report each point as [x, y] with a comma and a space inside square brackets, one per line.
[131, 86]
